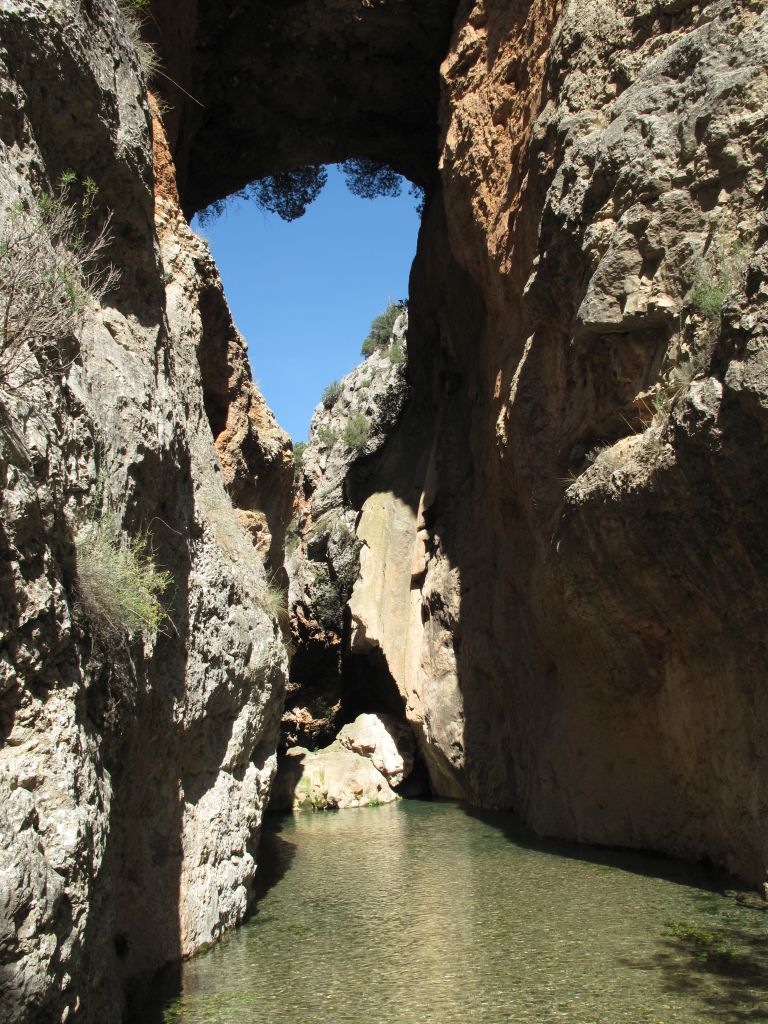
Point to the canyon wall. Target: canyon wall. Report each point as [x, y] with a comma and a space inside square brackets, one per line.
[563, 562]
[580, 626]
[134, 768]
[349, 430]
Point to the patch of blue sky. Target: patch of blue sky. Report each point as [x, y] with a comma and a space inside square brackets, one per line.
[303, 293]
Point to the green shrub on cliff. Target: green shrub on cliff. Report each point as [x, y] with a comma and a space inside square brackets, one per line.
[119, 586]
[327, 436]
[331, 394]
[298, 454]
[396, 353]
[381, 328]
[716, 276]
[356, 431]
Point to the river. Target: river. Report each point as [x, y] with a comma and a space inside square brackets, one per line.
[426, 913]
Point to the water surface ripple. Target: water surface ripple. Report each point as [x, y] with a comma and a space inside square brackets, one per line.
[424, 913]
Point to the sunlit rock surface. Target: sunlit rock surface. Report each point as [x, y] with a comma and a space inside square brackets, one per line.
[386, 740]
[347, 435]
[334, 778]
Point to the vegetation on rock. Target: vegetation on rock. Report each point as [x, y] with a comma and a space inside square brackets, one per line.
[381, 329]
[50, 270]
[120, 588]
[357, 431]
[717, 275]
[298, 453]
[274, 601]
[327, 436]
[331, 394]
[133, 18]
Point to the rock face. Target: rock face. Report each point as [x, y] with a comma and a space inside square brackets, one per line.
[579, 626]
[562, 566]
[334, 778]
[347, 435]
[133, 774]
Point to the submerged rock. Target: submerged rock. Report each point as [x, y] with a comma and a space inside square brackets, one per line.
[386, 740]
[331, 778]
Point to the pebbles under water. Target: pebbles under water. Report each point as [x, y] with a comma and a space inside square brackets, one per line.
[425, 913]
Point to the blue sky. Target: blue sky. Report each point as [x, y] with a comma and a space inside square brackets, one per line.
[303, 293]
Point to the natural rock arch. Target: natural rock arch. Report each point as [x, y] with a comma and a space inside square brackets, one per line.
[265, 88]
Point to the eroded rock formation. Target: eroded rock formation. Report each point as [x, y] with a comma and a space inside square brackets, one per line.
[562, 562]
[586, 641]
[133, 772]
[362, 767]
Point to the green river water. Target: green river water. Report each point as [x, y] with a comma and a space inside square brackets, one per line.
[425, 912]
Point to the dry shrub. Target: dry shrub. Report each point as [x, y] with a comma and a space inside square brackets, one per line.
[120, 588]
[51, 269]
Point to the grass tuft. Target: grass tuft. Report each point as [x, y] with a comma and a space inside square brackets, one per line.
[274, 601]
[716, 276]
[119, 586]
[133, 17]
[331, 394]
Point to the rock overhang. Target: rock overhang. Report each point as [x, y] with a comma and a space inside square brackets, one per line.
[260, 88]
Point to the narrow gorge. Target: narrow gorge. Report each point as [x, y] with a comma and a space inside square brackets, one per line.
[525, 555]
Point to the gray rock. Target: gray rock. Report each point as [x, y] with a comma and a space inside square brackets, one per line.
[325, 565]
[134, 773]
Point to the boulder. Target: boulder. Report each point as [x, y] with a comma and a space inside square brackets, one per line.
[386, 740]
[333, 778]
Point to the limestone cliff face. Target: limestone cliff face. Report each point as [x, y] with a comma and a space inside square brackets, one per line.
[348, 435]
[563, 567]
[133, 775]
[580, 626]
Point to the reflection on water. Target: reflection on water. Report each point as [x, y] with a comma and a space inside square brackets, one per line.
[422, 912]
